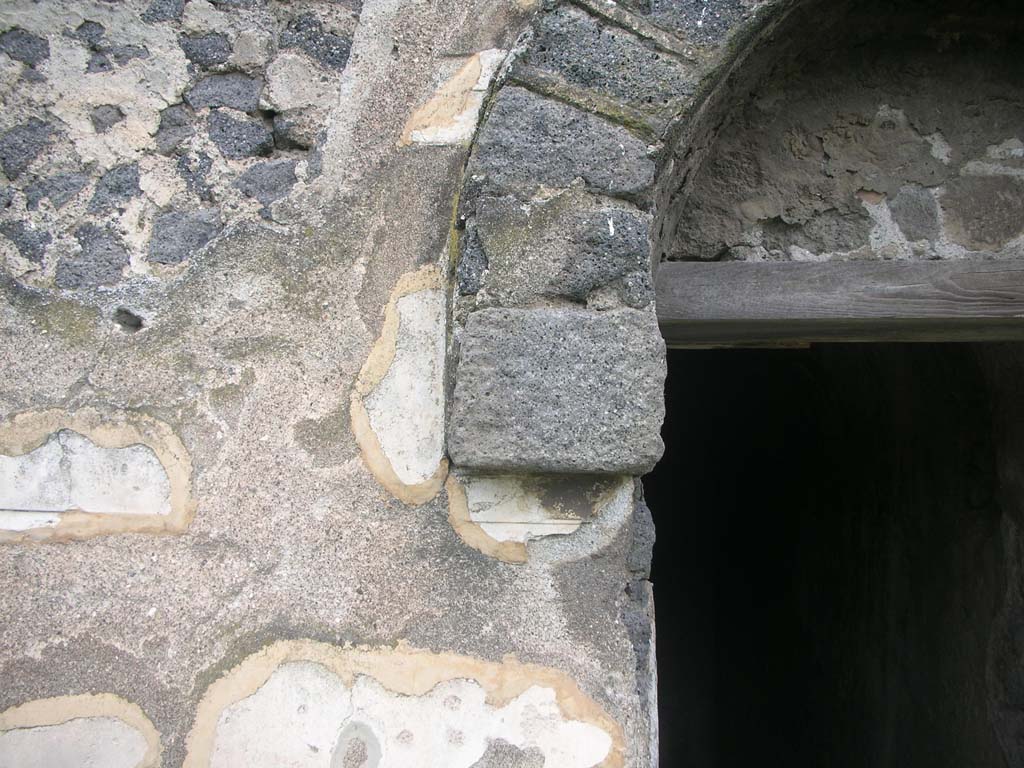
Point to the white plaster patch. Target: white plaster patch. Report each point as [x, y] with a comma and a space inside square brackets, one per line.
[940, 148]
[507, 510]
[406, 408]
[304, 716]
[451, 114]
[69, 472]
[886, 238]
[293, 720]
[1011, 149]
[84, 742]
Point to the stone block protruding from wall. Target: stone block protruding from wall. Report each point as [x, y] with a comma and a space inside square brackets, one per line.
[559, 390]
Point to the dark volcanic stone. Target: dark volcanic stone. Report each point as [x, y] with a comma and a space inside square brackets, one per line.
[194, 171]
[306, 32]
[58, 189]
[22, 144]
[983, 212]
[164, 10]
[469, 275]
[238, 138]
[206, 50]
[116, 187]
[100, 262]
[559, 390]
[179, 234]
[122, 54]
[529, 141]
[105, 117]
[31, 243]
[175, 128]
[233, 90]
[584, 51]
[916, 213]
[99, 62]
[268, 181]
[568, 247]
[89, 32]
[24, 46]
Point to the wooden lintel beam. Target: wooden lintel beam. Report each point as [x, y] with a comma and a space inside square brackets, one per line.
[767, 303]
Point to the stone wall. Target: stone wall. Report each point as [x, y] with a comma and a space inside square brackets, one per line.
[134, 134]
[331, 362]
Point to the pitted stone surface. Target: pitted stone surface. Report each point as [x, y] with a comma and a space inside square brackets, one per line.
[178, 235]
[558, 390]
[501, 754]
[570, 246]
[529, 142]
[585, 52]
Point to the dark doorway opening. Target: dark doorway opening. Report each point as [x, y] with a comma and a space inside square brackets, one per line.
[830, 568]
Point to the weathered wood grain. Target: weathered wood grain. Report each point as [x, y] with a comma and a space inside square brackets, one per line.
[742, 303]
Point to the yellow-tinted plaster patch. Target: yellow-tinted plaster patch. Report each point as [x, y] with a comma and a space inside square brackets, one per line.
[405, 672]
[451, 114]
[25, 432]
[43, 713]
[374, 395]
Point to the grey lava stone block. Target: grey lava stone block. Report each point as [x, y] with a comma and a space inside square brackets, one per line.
[529, 141]
[558, 390]
[583, 51]
[178, 235]
[101, 261]
[567, 246]
[233, 90]
[241, 137]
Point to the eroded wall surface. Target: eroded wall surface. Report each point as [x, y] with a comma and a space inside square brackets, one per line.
[231, 534]
[280, 280]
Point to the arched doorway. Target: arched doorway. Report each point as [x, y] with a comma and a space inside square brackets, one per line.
[837, 567]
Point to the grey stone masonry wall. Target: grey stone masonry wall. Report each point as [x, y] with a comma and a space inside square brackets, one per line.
[135, 133]
[557, 364]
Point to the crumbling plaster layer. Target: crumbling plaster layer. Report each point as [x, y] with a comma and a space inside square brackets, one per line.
[309, 704]
[501, 515]
[250, 357]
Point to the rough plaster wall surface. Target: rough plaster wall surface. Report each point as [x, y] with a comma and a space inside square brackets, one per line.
[247, 349]
[910, 150]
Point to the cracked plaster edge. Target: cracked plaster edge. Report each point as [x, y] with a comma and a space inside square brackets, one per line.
[22, 433]
[457, 102]
[376, 367]
[404, 670]
[61, 709]
[473, 534]
[515, 552]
